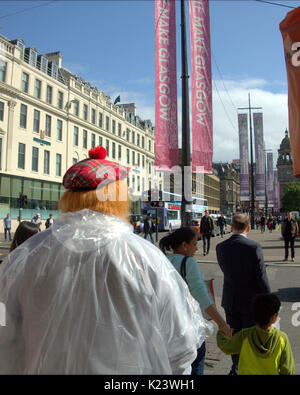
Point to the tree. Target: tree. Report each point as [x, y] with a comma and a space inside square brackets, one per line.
[291, 197]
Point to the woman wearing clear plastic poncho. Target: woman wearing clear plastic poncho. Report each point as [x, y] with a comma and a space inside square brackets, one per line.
[88, 296]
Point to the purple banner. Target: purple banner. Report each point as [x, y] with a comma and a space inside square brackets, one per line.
[270, 178]
[276, 190]
[166, 131]
[244, 157]
[201, 86]
[259, 156]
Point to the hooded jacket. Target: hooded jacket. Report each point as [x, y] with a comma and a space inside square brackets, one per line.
[88, 296]
[261, 352]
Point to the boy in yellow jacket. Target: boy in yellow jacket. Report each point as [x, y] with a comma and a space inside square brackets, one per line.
[263, 348]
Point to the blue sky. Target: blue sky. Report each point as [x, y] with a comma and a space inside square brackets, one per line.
[111, 45]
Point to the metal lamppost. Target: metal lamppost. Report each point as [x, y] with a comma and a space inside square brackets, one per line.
[186, 151]
[249, 108]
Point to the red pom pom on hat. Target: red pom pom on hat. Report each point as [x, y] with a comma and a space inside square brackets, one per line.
[97, 153]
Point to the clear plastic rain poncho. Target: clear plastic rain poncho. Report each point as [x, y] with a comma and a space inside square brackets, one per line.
[88, 296]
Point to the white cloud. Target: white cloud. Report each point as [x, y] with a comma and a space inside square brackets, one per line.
[234, 94]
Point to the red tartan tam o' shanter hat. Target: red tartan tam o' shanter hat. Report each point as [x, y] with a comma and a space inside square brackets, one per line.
[93, 171]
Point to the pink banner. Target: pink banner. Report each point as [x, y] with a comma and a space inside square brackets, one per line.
[201, 86]
[166, 129]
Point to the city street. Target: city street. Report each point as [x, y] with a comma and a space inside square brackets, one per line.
[284, 280]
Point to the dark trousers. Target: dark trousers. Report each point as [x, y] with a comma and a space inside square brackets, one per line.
[222, 230]
[198, 364]
[206, 246]
[289, 241]
[237, 320]
[7, 230]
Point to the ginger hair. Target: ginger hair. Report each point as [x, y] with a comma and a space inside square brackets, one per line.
[79, 200]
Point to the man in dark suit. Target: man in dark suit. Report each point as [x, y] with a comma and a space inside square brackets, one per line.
[242, 263]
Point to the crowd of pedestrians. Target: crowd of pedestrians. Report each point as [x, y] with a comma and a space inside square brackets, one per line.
[138, 309]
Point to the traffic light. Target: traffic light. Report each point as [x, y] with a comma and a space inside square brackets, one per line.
[22, 200]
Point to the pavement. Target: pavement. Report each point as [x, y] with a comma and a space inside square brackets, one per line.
[283, 278]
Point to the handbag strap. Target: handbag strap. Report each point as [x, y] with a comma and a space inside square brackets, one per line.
[183, 268]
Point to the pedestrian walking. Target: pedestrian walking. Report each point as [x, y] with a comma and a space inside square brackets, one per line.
[289, 231]
[25, 230]
[183, 243]
[88, 296]
[37, 220]
[206, 231]
[221, 223]
[7, 227]
[149, 227]
[242, 263]
[262, 223]
[263, 349]
[49, 221]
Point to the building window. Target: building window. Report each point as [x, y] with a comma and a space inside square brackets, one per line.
[58, 165]
[21, 156]
[85, 112]
[36, 121]
[100, 120]
[127, 156]
[93, 116]
[76, 108]
[107, 147]
[138, 159]
[100, 141]
[113, 150]
[46, 162]
[59, 130]
[32, 57]
[127, 134]
[74, 161]
[149, 145]
[138, 140]
[107, 123]
[25, 82]
[133, 137]
[143, 161]
[113, 126]
[1, 111]
[133, 158]
[23, 116]
[49, 94]
[119, 130]
[35, 159]
[48, 126]
[75, 136]
[0, 153]
[2, 71]
[84, 139]
[120, 152]
[93, 142]
[143, 142]
[60, 99]
[37, 89]
[138, 183]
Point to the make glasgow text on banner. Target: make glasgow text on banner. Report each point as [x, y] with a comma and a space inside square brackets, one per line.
[166, 129]
[202, 136]
[290, 30]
